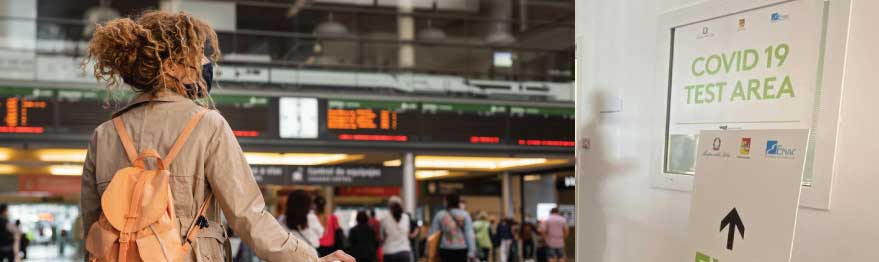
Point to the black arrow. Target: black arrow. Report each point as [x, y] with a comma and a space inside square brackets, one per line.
[734, 221]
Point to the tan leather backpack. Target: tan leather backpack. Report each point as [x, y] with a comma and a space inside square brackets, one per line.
[138, 222]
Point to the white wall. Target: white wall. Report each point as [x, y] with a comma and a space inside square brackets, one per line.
[622, 218]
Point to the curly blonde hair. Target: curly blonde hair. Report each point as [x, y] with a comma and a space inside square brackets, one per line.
[147, 53]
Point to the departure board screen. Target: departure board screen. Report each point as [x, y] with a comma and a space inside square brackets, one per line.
[464, 123]
[249, 116]
[81, 111]
[360, 120]
[26, 110]
[542, 126]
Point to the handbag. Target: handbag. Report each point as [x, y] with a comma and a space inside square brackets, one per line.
[433, 241]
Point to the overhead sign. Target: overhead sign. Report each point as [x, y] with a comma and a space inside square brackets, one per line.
[746, 195]
[341, 175]
[749, 70]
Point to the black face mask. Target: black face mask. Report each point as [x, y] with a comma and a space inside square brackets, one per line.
[207, 74]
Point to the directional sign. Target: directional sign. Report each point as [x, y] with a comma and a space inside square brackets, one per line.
[746, 195]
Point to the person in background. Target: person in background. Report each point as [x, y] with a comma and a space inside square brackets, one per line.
[62, 241]
[482, 229]
[300, 220]
[377, 227]
[554, 230]
[78, 243]
[330, 223]
[395, 232]
[458, 241]
[23, 242]
[245, 254]
[9, 236]
[362, 239]
[506, 237]
[526, 234]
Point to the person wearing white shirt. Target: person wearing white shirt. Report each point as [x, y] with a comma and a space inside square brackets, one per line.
[395, 232]
[299, 218]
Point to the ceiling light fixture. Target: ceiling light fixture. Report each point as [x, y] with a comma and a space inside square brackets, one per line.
[297, 159]
[62, 155]
[5, 154]
[478, 163]
[8, 169]
[431, 33]
[426, 174]
[65, 170]
[331, 28]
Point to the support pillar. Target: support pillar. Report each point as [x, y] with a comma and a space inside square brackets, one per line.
[408, 192]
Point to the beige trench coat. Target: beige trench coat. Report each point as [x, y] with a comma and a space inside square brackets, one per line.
[211, 160]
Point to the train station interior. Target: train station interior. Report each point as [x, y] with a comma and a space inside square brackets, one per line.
[438, 130]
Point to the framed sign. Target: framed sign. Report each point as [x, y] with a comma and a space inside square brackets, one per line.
[755, 64]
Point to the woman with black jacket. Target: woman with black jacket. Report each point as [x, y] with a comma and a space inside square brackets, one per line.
[362, 240]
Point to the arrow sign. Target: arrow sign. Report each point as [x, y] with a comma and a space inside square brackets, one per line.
[734, 222]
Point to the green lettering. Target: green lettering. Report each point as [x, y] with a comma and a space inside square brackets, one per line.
[738, 92]
[709, 93]
[728, 60]
[720, 86]
[699, 93]
[753, 89]
[786, 88]
[689, 89]
[767, 86]
[713, 69]
[693, 67]
[749, 59]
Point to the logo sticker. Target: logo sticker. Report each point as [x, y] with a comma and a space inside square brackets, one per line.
[716, 145]
[774, 149]
[778, 17]
[745, 147]
[705, 33]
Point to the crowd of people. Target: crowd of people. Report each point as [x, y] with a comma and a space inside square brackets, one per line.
[397, 237]
[14, 241]
[485, 239]
[389, 239]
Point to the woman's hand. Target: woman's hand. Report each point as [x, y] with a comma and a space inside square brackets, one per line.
[338, 256]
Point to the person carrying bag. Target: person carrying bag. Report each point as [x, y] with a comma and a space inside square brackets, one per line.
[451, 236]
[156, 177]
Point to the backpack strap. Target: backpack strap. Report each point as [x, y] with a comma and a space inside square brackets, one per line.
[131, 151]
[184, 135]
[126, 139]
[198, 223]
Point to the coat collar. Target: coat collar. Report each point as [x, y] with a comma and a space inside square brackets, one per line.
[160, 96]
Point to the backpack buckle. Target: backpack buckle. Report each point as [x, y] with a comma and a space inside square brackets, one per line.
[202, 222]
[124, 237]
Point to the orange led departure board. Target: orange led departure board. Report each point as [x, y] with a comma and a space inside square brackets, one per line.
[24, 110]
[371, 120]
[355, 119]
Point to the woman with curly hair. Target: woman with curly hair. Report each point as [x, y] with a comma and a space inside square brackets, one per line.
[167, 60]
